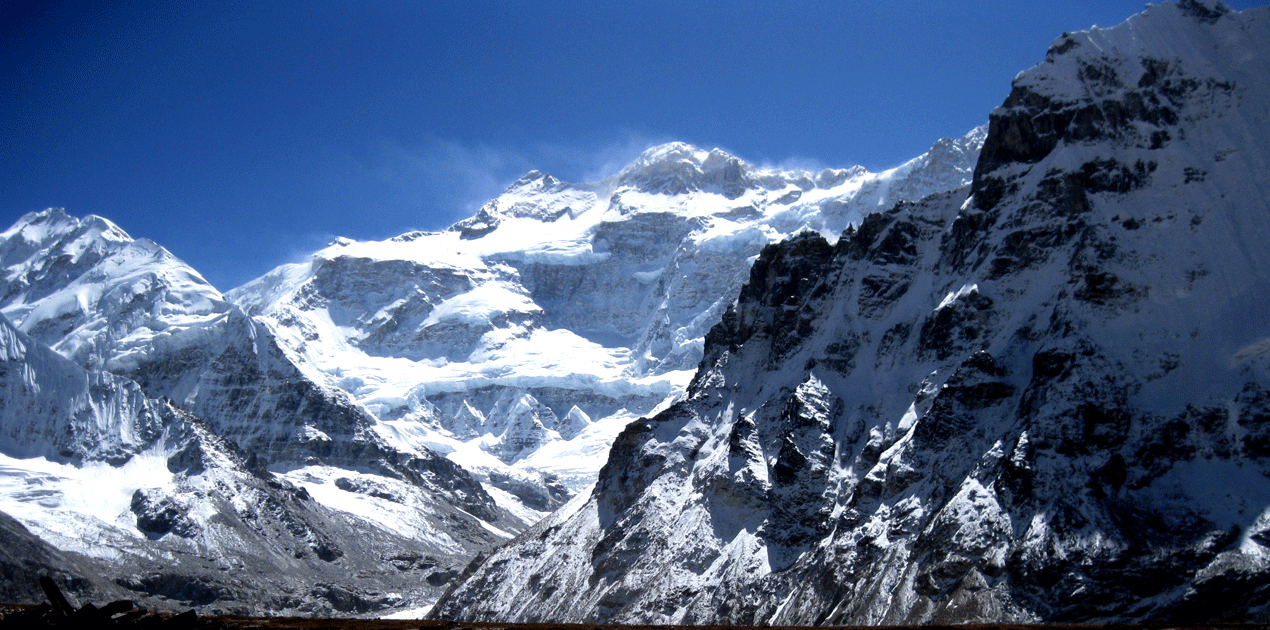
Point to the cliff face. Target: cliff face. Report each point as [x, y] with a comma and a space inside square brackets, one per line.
[1042, 397]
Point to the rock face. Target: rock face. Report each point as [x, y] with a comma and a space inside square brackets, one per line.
[1041, 397]
[52, 408]
[25, 558]
[521, 341]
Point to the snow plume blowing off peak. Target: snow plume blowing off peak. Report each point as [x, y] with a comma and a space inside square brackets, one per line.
[1043, 397]
[678, 168]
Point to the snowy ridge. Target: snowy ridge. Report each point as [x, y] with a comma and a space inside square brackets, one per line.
[129, 307]
[94, 293]
[139, 490]
[587, 303]
[1041, 397]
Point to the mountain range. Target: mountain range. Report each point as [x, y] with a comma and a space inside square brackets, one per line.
[1022, 377]
[397, 407]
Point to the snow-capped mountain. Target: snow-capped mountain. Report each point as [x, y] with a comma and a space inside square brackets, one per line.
[127, 306]
[522, 340]
[1044, 396]
[148, 422]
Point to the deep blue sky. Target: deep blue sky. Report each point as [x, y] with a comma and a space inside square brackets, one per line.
[242, 135]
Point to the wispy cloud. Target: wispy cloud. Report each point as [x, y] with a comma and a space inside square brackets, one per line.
[591, 162]
[796, 164]
[447, 177]
[447, 180]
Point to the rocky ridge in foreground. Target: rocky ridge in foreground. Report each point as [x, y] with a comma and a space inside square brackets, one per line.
[1044, 397]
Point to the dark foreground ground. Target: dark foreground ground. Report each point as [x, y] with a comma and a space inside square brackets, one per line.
[17, 617]
[58, 612]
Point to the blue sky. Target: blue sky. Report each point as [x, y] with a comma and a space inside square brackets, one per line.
[243, 135]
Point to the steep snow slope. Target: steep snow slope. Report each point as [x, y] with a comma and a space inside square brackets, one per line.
[1044, 397]
[524, 339]
[127, 306]
[96, 295]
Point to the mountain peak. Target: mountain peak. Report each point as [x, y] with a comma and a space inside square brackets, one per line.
[1041, 365]
[1204, 10]
[535, 180]
[678, 167]
[668, 154]
[1135, 86]
[52, 224]
[677, 155]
